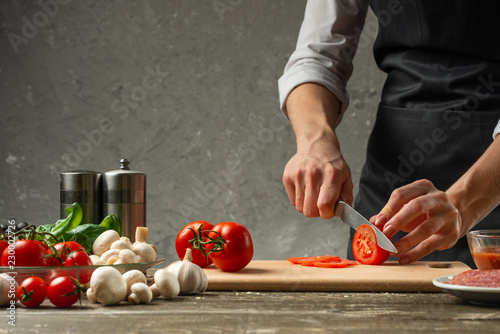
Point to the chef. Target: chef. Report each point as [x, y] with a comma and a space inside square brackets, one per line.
[432, 169]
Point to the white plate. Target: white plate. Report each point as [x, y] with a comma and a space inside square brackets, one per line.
[474, 295]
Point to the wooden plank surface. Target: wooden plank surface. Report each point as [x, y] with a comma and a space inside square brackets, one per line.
[217, 312]
[284, 276]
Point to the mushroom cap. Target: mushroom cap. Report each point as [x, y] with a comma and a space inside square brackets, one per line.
[145, 250]
[141, 293]
[108, 285]
[167, 284]
[134, 276]
[127, 256]
[121, 244]
[109, 254]
[104, 241]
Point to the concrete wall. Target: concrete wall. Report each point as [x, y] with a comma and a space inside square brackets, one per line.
[187, 91]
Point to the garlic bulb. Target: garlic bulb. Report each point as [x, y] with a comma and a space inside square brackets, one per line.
[192, 279]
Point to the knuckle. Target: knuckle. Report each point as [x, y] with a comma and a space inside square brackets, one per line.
[417, 205]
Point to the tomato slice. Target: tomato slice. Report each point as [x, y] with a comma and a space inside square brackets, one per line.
[365, 248]
[338, 263]
[308, 260]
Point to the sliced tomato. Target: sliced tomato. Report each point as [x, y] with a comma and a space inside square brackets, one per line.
[365, 248]
[308, 260]
[337, 263]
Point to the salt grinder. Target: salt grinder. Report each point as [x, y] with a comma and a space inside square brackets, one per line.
[84, 188]
[124, 195]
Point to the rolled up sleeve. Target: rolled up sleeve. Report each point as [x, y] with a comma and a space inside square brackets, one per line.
[326, 45]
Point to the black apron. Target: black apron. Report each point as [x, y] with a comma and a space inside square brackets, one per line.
[440, 102]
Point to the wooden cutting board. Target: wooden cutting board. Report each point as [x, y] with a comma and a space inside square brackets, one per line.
[284, 276]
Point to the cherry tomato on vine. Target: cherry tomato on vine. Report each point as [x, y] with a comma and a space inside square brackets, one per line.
[365, 248]
[63, 249]
[63, 291]
[32, 291]
[79, 258]
[3, 244]
[24, 253]
[185, 235]
[236, 251]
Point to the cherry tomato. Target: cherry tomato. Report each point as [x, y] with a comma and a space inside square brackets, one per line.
[63, 292]
[24, 253]
[3, 244]
[63, 249]
[79, 258]
[182, 242]
[237, 250]
[365, 248]
[32, 291]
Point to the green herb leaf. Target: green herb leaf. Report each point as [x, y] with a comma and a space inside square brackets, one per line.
[85, 235]
[111, 222]
[73, 219]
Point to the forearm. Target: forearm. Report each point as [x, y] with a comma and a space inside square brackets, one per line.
[477, 192]
[313, 112]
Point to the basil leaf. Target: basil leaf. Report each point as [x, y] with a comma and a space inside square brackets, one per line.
[111, 222]
[73, 219]
[85, 235]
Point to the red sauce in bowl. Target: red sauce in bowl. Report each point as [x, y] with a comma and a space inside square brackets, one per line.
[487, 258]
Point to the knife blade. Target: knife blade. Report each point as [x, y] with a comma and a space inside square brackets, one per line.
[351, 217]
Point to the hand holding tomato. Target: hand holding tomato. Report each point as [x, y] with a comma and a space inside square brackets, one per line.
[427, 214]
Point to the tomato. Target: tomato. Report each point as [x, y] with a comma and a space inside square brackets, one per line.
[79, 258]
[333, 263]
[62, 250]
[24, 253]
[32, 291]
[63, 291]
[3, 244]
[309, 260]
[185, 235]
[43, 244]
[365, 248]
[237, 250]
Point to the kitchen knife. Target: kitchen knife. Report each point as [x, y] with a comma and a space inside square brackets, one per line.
[351, 217]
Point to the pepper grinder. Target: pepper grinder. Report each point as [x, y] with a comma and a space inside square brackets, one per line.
[84, 188]
[124, 195]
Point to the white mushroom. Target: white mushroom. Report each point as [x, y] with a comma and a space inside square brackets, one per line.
[104, 242]
[121, 244]
[141, 293]
[141, 234]
[139, 259]
[108, 285]
[134, 276]
[109, 254]
[165, 284]
[145, 250]
[91, 295]
[127, 240]
[127, 256]
[96, 260]
[8, 290]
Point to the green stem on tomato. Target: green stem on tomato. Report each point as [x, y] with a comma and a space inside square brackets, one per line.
[201, 239]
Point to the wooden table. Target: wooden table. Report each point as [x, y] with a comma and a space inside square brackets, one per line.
[267, 312]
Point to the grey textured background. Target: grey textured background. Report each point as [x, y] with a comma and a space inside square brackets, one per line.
[76, 93]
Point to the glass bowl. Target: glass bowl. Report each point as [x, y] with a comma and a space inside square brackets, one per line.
[49, 273]
[484, 246]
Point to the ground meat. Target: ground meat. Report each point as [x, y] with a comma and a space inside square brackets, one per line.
[478, 278]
